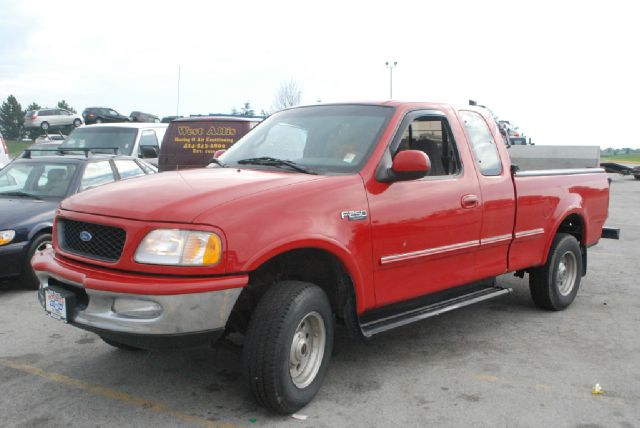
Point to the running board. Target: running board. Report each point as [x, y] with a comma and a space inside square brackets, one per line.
[432, 310]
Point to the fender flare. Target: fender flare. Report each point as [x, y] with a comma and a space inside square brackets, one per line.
[320, 242]
[570, 211]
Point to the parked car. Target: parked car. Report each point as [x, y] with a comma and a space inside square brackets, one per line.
[50, 138]
[140, 140]
[138, 116]
[4, 152]
[168, 119]
[375, 215]
[48, 118]
[212, 134]
[30, 192]
[103, 115]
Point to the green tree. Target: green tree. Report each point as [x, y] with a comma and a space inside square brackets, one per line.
[246, 110]
[63, 105]
[11, 118]
[33, 106]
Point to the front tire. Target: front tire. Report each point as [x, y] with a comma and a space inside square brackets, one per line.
[554, 286]
[28, 277]
[77, 123]
[288, 345]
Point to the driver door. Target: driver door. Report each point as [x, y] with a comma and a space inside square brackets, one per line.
[426, 232]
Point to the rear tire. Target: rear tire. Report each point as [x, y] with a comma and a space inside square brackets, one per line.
[28, 277]
[98, 120]
[119, 345]
[554, 286]
[288, 345]
[77, 123]
[44, 126]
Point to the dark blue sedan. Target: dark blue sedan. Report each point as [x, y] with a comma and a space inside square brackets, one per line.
[30, 191]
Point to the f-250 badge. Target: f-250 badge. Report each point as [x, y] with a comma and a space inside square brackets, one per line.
[354, 215]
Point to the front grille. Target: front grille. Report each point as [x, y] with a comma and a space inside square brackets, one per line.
[91, 240]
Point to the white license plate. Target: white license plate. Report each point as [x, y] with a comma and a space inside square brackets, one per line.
[55, 304]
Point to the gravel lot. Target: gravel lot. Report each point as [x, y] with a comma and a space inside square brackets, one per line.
[500, 363]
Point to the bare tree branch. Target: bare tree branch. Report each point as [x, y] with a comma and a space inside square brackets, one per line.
[288, 95]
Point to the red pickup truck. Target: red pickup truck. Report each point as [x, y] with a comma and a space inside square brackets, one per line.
[370, 215]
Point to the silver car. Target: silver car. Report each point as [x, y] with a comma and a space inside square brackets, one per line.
[4, 153]
[50, 118]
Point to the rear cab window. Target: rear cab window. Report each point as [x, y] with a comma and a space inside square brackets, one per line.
[482, 143]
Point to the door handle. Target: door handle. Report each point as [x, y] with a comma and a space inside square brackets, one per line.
[470, 201]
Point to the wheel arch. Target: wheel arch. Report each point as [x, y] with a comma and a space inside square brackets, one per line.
[572, 223]
[40, 228]
[325, 264]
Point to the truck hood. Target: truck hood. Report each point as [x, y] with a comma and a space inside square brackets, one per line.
[179, 196]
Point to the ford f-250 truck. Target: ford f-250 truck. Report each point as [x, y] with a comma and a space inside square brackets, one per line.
[370, 215]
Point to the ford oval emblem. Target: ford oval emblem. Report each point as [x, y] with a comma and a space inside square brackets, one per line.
[85, 236]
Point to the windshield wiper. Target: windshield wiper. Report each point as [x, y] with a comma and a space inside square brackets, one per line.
[21, 193]
[269, 161]
[217, 162]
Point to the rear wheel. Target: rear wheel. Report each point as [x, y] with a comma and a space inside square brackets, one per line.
[98, 120]
[28, 277]
[77, 123]
[44, 126]
[554, 286]
[288, 345]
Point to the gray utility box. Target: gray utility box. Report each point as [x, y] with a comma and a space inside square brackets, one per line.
[554, 157]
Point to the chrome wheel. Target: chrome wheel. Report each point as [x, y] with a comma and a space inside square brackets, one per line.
[566, 273]
[307, 350]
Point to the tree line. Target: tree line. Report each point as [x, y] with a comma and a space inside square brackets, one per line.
[12, 118]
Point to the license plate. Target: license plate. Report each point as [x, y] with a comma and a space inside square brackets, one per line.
[58, 303]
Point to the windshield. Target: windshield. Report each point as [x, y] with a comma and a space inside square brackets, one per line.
[36, 179]
[322, 139]
[102, 137]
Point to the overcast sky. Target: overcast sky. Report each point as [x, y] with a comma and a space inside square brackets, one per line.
[565, 73]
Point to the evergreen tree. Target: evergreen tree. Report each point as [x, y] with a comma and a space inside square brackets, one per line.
[246, 110]
[63, 105]
[11, 118]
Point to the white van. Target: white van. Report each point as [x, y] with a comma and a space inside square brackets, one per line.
[139, 140]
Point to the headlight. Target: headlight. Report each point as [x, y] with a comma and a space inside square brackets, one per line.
[179, 247]
[6, 236]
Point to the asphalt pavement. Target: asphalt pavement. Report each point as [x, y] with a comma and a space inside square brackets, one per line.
[500, 363]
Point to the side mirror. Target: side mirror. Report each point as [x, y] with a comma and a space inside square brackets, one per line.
[410, 165]
[219, 153]
[148, 152]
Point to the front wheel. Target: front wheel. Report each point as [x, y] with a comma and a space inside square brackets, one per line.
[288, 345]
[77, 123]
[554, 286]
[28, 277]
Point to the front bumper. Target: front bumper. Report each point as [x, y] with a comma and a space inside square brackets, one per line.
[12, 258]
[116, 304]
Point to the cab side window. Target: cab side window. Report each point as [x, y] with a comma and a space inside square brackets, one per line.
[432, 135]
[482, 143]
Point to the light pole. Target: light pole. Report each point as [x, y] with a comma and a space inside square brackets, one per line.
[391, 66]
